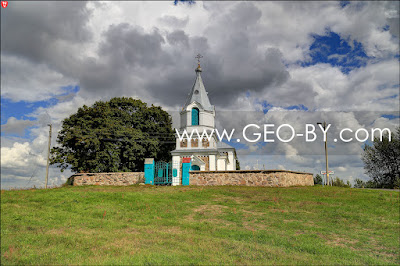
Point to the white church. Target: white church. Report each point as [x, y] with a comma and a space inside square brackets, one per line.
[198, 113]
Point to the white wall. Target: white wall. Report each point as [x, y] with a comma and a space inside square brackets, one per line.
[212, 163]
[232, 162]
[207, 119]
[183, 119]
[176, 165]
[221, 164]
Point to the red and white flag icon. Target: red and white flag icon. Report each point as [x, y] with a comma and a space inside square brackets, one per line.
[4, 4]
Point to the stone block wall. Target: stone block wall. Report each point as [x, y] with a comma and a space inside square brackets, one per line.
[107, 179]
[266, 178]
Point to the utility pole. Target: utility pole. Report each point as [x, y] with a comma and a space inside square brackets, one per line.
[48, 157]
[326, 154]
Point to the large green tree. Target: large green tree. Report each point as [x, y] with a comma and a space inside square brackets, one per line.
[382, 160]
[113, 136]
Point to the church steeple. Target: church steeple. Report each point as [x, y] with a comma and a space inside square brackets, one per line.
[206, 152]
[198, 93]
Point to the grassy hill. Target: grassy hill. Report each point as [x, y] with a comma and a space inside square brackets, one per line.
[199, 225]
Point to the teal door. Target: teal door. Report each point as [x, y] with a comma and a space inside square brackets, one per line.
[149, 173]
[185, 174]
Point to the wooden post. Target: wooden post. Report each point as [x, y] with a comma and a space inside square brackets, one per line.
[48, 157]
[326, 156]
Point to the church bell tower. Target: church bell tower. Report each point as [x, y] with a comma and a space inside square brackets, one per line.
[198, 115]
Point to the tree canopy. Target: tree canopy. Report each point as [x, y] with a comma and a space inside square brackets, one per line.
[381, 160]
[113, 136]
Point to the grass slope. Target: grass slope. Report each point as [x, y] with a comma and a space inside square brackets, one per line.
[199, 225]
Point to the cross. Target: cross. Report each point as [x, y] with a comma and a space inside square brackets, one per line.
[198, 58]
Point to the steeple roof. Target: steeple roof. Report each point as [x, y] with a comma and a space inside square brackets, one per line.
[199, 93]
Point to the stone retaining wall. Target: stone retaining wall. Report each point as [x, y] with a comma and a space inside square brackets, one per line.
[266, 178]
[107, 179]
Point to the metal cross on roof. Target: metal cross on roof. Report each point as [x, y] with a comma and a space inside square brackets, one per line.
[198, 58]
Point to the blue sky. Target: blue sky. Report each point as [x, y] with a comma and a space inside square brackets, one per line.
[19, 110]
[23, 110]
[336, 51]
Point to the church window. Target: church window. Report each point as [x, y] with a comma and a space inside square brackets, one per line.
[184, 143]
[195, 168]
[195, 116]
[195, 142]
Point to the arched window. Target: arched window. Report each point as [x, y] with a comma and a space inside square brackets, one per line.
[184, 143]
[195, 116]
[195, 143]
[195, 168]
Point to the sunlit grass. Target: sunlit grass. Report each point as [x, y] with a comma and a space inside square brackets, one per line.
[199, 225]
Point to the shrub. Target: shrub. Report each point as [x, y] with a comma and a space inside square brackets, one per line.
[317, 180]
[358, 183]
[337, 182]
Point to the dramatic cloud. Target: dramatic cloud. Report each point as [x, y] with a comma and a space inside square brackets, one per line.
[23, 80]
[45, 32]
[15, 126]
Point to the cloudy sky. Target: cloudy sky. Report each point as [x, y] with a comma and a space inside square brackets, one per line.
[264, 62]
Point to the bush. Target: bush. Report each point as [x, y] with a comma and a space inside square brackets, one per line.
[358, 183]
[337, 182]
[371, 184]
[317, 180]
[397, 184]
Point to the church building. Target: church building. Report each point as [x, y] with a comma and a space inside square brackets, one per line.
[207, 154]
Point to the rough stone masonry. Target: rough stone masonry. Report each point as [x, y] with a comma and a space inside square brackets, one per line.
[265, 178]
[107, 179]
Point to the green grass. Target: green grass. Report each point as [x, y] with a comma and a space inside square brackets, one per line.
[199, 225]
